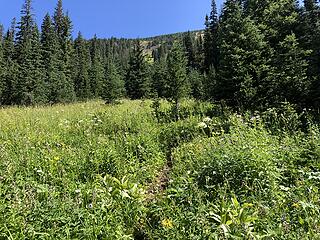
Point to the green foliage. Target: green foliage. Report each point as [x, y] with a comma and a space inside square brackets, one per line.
[137, 79]
[113, 88]
[85, 171]
[81, 69]
[178, 85]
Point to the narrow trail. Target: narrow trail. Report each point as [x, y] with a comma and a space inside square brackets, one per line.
[160, 184]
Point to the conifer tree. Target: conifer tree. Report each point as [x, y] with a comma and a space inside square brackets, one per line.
[2, 66]
[96, 72]
[37, 71]
[50, 50]
[81, 69]
[11, 74]
[178, 86]
[160, 79]
[63, 29]
[210, 39]
[310, 40]
[113, 87]
[189, 47]
[292, 82]
[243, 63]
[137, 81]
[29, 87]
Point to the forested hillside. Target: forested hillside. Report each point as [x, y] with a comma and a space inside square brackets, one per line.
[256, 54]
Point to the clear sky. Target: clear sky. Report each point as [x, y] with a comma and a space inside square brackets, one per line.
[120, 18]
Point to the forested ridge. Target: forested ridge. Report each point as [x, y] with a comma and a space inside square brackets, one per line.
[255, 54]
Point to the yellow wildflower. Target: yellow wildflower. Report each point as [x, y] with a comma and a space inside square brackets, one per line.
[167, 223]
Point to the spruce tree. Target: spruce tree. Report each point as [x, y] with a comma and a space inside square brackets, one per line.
[310, 40]
[29, 87]
[50, 53]
[11, 74]
[211, 53]
[137, 81]
[96, 72]
[244, 64]
[292, 82]
[63, 29]
[2, 66]
[160, 79]
[113, 87]
[189, 47]
[81, 69]
[38, 90]
[178, 86]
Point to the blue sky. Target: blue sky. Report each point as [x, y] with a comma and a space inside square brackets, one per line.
[120, 18]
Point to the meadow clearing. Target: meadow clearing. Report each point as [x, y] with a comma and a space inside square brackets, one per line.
[128, 171]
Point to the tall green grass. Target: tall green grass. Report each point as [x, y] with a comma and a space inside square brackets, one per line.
[85, 170]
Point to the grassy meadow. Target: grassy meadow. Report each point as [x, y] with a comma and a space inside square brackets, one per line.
[128, 171]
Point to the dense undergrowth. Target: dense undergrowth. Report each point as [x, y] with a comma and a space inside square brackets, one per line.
[83, 171]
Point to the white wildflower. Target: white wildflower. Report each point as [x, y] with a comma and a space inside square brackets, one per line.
[202, 125]
[78, 191]
[207, 120]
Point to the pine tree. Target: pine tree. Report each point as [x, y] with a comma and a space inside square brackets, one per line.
[160, 79]
[178, 86]
[113, 87]
[29, 88]
[189, 47]
[196, 80]
[11, 74]
[50, 51]
[310, 40]
[243, 66]
[137, 81]
[211, 52]
[2, 66]
[81, 69]
[96, 72]
[292, 82]
[38, 90]
[63, 29]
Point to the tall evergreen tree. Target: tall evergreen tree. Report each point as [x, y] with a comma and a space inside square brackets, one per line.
[96, 72]
[137, 80]
[292, 82]
[28, 89]
[50, 58]
[113, 87]
[178, 86]
[210, 39]
[11, 74]
[2, 66]
[160, 79]
[189, 47]
[310, 39]
[37, 71]
[81, 69]
[243, 65]
[63, 29]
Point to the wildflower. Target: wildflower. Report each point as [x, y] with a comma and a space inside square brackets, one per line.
[167, 223]
[39, 171]
[207, 120]
[78, 191]
[202, 125]
[56, 158]
[90, 205]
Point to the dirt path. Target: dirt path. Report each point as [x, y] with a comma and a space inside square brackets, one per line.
[160, 184]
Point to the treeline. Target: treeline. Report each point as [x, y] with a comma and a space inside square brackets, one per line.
[254, 55]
